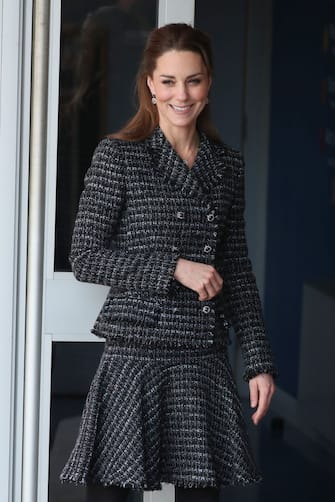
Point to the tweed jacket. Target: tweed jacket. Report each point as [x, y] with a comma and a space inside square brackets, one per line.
[141, 209]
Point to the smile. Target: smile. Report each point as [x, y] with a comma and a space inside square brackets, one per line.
[181, 109]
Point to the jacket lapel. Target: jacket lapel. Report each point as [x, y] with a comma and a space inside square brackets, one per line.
[209, 166]
[194, 182]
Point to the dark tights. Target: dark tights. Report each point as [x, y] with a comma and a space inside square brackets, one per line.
[197, 494]
[98, 493]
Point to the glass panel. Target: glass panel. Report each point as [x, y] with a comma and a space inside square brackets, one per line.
[225, 22]
[73, 368]
[101, 44]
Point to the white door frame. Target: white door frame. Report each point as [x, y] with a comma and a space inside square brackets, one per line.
[15, 52]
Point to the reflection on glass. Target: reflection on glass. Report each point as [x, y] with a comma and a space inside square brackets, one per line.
[73, 368]
[101, 45]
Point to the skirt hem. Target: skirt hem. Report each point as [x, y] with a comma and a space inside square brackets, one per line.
[180, 483]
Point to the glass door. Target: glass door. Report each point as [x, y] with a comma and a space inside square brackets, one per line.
[95, 47]
[100, 45]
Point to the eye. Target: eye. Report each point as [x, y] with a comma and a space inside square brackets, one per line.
[167, 82]
[195, 81]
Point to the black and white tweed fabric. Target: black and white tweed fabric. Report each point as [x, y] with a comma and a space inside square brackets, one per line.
[168, 415]
[163, 405]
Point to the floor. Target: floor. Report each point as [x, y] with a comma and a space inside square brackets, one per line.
[294, 469]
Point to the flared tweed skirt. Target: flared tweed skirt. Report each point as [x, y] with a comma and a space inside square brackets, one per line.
[154, 416]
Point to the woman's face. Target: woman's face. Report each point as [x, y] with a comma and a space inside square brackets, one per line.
[180, 83]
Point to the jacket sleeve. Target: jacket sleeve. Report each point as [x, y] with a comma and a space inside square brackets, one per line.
[240, 289]
[94, 257]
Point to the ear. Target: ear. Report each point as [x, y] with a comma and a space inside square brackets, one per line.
[150, 84]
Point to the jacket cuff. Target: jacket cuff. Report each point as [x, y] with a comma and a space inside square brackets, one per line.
[258, 370]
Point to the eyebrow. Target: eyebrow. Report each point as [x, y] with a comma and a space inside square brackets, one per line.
[189, 76]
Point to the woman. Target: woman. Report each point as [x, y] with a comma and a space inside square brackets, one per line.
[160, 222]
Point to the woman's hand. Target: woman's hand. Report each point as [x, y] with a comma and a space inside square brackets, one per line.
[201, 278]
[261, 389]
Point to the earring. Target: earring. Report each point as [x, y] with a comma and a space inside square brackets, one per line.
[154, 100]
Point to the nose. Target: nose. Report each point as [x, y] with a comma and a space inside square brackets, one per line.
[182, 93]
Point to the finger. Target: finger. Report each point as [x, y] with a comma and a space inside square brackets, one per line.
[213, 287]
[217, 281]
[253, 389]
[203, 295]
[211, 291]
[265, 395]
[207, 291]
[217, 287]
[213, 281]
[261, 409]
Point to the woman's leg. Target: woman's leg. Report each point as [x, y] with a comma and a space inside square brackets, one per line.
[207, 494]
[100, 493]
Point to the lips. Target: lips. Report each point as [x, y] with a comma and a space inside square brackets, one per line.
[181, 109]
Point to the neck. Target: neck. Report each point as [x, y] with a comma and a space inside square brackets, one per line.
[185, 142]
[181, 138]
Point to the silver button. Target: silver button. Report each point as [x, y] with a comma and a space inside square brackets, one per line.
[210, 217]
[206, 309]
[180, 214]
[207, 249]
[215, 234]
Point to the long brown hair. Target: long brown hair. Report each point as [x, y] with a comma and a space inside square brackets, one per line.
[174, 36]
